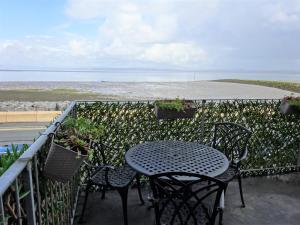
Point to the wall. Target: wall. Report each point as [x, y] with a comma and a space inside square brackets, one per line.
[28, 116]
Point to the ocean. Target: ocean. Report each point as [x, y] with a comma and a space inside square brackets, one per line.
[142, 75]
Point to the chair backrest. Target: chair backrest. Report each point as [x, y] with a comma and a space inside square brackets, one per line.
[231, 139]
[182, 198]
[99, 148]
[105, 152]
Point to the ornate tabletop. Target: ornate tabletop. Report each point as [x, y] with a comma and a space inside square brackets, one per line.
[156, 157]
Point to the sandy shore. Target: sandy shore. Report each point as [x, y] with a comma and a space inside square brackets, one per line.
[141, 91]
[152, 90]
[191, 90]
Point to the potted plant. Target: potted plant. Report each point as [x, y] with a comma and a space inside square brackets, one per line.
[290, 105]
[174, 109]
[70, 147]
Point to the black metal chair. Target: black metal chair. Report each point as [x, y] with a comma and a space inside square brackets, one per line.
[185, 198]
[106, 177]
[232, 139]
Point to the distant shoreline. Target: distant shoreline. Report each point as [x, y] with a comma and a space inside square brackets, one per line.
[140, 74]
[124, 69]
[283, 85]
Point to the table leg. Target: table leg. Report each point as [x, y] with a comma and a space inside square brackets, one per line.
[221, 208]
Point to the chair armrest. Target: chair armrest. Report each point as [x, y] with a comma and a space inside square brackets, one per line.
[244, 156]
[97, 168]
[92, 167]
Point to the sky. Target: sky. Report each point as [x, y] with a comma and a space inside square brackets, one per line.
[186, 34]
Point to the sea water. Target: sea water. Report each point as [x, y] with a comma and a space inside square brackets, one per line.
[142, 75]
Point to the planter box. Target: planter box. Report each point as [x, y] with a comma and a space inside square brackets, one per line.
[188, 112]
[62, 164]
[287, 109]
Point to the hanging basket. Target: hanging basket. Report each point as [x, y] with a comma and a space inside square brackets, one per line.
[288, 109]
[188, 111]
[62, 164]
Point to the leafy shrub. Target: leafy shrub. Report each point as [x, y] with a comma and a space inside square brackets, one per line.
[10, 157]
[77, 133]
[293, 101]
[176, 104]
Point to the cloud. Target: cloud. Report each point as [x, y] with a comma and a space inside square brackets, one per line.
[27, 51]
[45, 51]
[284, 17]
[78, 47]
[140, 30]
[175, 53]
[127, 32]
[137, 31]
[284, 14]
[132, 27]
[196, 34]
[90, 9]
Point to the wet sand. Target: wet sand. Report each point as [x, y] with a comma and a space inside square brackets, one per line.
[192, 90]
[154, 90]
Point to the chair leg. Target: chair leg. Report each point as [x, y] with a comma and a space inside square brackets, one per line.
[220, 216]
[103, 193]
[139, 189]
[87, 190]
[124, 194]
[241, 190]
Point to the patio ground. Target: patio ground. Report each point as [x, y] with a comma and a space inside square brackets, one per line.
[273, 200]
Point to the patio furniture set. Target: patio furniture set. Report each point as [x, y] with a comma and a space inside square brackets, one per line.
[188, 179]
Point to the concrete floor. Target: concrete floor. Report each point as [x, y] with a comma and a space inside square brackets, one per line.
[269, 201]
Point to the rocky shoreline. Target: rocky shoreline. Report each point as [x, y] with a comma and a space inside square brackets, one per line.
[32, 106]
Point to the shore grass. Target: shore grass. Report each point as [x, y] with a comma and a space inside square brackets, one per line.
[59, 94]
[284, 85]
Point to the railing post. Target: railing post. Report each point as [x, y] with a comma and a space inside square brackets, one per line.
[74, 111]
[18, 204]
[298, 159]
[38, 194]
[2, 218]
[46, 200]
[30, 208]
[202, 125]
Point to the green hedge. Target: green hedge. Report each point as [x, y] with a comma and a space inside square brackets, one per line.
[273, 147]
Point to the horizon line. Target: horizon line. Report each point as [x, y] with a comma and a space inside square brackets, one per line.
[133, 69]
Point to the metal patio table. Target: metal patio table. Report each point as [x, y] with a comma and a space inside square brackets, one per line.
[156, 157]
[151, 158]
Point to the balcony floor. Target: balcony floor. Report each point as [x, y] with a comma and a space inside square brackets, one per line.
[269, 201]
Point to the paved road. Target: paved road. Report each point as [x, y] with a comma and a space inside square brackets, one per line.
[19, 133]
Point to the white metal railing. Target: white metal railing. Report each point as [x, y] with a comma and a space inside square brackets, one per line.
[24, 174]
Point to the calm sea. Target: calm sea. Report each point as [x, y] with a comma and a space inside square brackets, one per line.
[142, 75]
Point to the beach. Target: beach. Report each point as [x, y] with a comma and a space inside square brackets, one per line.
[30, 96]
